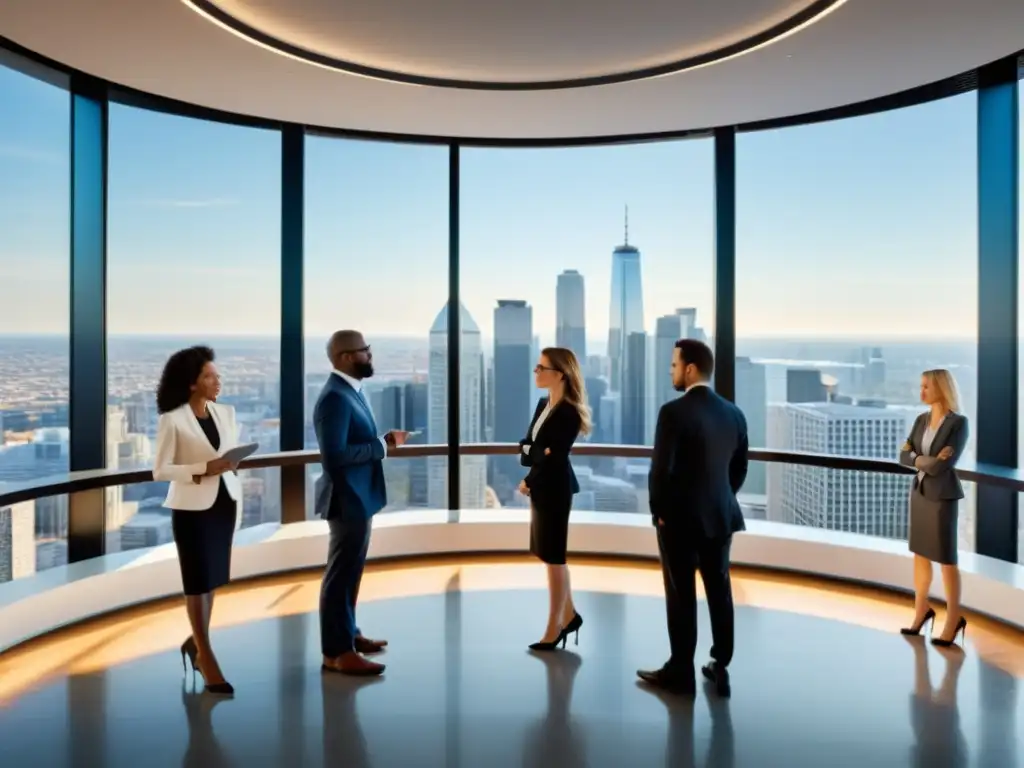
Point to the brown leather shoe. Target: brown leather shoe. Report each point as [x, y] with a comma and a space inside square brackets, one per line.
[352, 663]
[366, 645]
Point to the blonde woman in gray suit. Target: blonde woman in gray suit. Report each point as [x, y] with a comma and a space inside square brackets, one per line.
[933, 448]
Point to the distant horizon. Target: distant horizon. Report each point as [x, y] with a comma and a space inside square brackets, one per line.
[833, 338]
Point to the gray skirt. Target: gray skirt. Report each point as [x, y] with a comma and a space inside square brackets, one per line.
[933, 528]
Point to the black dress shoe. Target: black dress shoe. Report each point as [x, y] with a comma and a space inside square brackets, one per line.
[659, 678]
[718, 675]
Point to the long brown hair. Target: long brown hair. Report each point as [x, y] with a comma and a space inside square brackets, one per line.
[564, 361]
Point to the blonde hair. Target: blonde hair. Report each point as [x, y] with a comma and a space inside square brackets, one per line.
[945, 385]
[564, 361]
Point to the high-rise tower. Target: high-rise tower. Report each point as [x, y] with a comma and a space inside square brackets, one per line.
[627, 341]
[571, 314]
[513, 389]
[473, 469]
[626, 312]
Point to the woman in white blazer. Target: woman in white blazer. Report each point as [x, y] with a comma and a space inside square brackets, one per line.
[204, 492]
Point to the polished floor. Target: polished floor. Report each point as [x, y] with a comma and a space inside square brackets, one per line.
[821, 678]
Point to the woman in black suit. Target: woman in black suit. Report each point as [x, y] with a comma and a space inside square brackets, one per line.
[558, 420]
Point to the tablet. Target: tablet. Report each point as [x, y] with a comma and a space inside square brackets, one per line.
[239, 452]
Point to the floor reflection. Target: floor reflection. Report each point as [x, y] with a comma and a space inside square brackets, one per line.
[344, 743]
[934, 712]
[203, 750]
[680, 744]
[556, 739]
[462, 691]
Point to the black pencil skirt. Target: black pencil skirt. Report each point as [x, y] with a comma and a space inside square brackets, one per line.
[549, 527]
[204, 539]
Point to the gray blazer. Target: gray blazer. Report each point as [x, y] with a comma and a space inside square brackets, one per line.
[940, 482]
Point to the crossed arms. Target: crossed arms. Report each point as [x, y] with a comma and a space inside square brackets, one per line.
[945, 460]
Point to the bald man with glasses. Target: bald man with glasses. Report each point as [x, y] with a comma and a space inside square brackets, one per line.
[348, 494]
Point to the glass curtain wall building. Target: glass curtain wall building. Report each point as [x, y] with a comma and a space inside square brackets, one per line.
[828, 263]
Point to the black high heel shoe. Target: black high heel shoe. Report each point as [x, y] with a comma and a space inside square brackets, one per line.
[188, 648]
[961, 629]
[553, 645]
[225, 688]
[929, 616]
[574, 627]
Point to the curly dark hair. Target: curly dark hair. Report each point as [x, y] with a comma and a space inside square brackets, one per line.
[181, 371]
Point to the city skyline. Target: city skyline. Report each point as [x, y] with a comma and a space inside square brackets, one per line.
[830, 330]
[193, 204]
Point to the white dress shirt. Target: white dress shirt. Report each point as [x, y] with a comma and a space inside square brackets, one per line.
[927, 438]
[357, 385]
[537, 425]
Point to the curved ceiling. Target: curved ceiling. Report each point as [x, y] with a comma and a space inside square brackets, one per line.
[518, 69]
[512, 50]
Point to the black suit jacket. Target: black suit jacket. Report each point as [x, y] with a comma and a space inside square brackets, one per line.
[551, 472]
[699, 464]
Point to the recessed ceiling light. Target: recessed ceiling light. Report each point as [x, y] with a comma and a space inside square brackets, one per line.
[811, 13]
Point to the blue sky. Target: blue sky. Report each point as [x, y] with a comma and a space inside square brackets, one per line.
[845, 228]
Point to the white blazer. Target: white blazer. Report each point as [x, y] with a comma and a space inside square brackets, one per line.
[182, 450]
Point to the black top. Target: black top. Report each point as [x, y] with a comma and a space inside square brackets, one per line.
[210, 429]
[548, 459]
[699, 463]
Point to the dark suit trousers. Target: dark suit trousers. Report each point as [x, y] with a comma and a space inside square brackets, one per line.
[682, 554]
[346, 556]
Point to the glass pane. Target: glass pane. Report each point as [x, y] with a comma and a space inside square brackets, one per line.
[607, 251]
[377, 261]
[869, 503]
[193, 257]
[848, 231]
[1020, 321]
[34, 288]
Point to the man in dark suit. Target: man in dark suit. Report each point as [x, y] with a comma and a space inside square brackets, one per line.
[348, 493]
[699, 464]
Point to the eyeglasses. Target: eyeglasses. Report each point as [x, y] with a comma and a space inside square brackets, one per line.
[365, 349]
[540, 368]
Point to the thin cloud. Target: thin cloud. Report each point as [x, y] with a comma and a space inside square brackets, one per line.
[215, 202]
[29, 154]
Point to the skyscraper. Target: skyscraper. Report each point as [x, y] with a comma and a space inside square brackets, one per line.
[805, 385]
[571, 314]
[416, 414]
[513, 387]
[752, 399]
[473, 469]
[626, 312]
[388, 404]
[873, 503]
[667, 331]
[633, 401]
[17, 541]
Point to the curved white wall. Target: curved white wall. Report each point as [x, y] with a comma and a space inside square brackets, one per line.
[62, 596]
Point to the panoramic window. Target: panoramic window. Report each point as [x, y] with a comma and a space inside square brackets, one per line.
[376, 261]
[848, 232]
[34, 294]
[194, 243]
[1020, 319]
[607, 251]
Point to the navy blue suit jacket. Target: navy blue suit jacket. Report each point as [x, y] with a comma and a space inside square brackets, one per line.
[352, 485]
